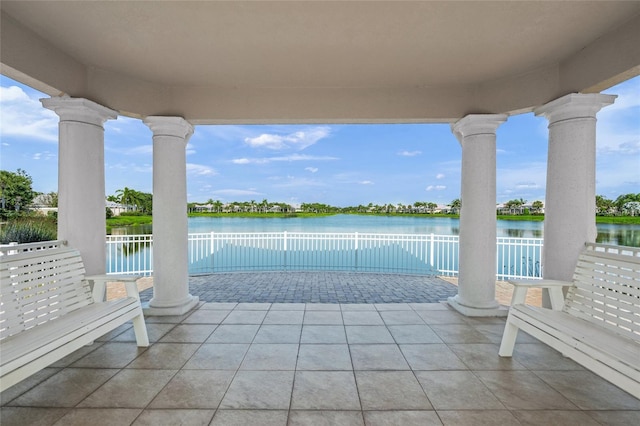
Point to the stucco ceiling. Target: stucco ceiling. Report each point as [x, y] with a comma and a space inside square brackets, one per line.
[258, 53]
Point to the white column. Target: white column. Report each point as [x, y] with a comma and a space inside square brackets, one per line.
[477, 255]
[170, 262]
[81, 192]
[570, 206]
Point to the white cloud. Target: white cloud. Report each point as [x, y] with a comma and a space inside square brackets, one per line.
[365, 182]
[311, 169]
[297, 140]
[409, 153]
[200, 170]
[527, 185]
[440, 176]
[435, 188]
[190, 149]
[25, 117]
[136, 150]
[45, 155]
[293, 157]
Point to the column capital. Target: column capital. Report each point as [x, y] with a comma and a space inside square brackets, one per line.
[574, 105]
[169, 126]
[477, 124]
[79, 109]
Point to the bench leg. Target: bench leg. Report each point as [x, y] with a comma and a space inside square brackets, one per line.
[508, 339]
[140, 329]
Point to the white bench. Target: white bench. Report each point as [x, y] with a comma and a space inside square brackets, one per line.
[49, 308]
[597, 324]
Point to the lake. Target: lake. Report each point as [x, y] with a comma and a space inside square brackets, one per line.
[627, 235]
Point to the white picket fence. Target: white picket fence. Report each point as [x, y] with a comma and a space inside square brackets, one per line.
[427, 254]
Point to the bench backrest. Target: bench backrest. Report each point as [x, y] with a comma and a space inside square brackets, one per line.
[606, 288]
[38, 286]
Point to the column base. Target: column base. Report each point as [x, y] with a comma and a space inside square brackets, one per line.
[181, 309]
[472, 311]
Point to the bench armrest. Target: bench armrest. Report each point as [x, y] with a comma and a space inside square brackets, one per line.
[100, 285]
[554, 287]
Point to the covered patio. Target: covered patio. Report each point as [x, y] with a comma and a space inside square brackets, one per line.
[296, 364]
[177, 65]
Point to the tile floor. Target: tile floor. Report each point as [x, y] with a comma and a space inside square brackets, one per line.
[316, 364]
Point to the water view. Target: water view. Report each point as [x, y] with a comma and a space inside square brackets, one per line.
[626, 235]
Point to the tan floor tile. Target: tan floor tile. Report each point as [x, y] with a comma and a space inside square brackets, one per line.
[325, 390]
[66, 388]
[377, 357]
[459, 333]
[189, 333]
[245, 317]
[227, 356]
[554, 417]
[523, 390]
[129, 389]
[154, 332]
[322, 307]
[585, 389]
[219, 306]
[434, 356]
[483, 356]
[321, 317]
[323, 334]
[207, 316]
[74, 356]
[390, 390]
[429, 306]
[494, 333]
[99, 417]
[413, 334]
[23, 386]
[401, 317]
[250, 417]
[401, 417]
[478, 418]
[441, 317]
[349, 307]
[616, 418]
[259, 390]
[362, 318]
[314, 418]
[288, 307]
[253, 306]
[21, 416]
[284, 317]
[393, 307]
[324, 357]
[457, 390]
[174, 417]
[363, 334]
[165, 356]
[236, 333]
[270, 357]
[115, 332]
[538, 356]
[110, 355]
[194, 389]
[278, 334]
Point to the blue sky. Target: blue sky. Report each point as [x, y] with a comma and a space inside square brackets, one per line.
[340, 165]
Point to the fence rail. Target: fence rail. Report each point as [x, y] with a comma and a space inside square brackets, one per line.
[425, 254]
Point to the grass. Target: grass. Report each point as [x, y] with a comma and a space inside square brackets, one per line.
[118, 221]
[28, 230]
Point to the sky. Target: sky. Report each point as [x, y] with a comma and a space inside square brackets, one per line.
[340, 165]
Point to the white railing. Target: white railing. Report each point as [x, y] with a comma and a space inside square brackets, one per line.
[287, 251]
[9, 249]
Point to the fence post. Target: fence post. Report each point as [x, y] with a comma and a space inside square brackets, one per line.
[431, 249]
[211, 250]
[355, 254]
[284, 261]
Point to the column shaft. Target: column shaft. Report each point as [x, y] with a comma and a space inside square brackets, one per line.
[81, 182]
[571, 180]
[477, 255]
[170, 259]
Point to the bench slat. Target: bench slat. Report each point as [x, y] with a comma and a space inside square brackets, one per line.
[623, 350]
